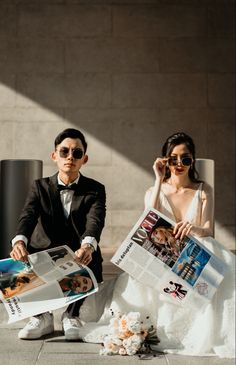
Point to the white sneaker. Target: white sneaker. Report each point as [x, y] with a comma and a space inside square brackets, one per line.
[71, 326]
[37, 327]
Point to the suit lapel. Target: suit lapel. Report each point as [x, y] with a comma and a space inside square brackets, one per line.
[79, 193]
[55, 199]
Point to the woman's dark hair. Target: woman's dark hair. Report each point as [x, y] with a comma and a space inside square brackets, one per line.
[175, 140]
[71, 133]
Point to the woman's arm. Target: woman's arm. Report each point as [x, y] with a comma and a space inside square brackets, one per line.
[207, 214]
[153, 194]
[206, 227]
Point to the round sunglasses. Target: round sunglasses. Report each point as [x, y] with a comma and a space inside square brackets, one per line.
[77, 153]
[185, 161]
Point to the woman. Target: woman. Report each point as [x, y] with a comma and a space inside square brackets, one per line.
[177, 192]
[181, 196]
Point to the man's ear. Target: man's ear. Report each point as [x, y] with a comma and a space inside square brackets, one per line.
[85, 159]
[53, 156]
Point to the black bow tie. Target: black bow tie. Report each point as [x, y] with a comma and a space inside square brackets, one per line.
[66, 187]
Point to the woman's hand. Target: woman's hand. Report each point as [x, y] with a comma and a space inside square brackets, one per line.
[159, 167]
[84, 255]
[182, 229]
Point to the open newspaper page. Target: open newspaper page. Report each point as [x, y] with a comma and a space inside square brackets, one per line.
[183, 270]
[50, 280]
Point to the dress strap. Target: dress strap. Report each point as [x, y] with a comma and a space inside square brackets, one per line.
[193, 213]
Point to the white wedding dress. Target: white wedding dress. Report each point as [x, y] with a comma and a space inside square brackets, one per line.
[181, 329]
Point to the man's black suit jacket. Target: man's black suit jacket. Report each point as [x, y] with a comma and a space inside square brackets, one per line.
[43, 211]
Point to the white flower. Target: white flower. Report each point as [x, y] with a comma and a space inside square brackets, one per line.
[132, 344]
[123, 322]
[126, 334]
[112, 339]
[134, 326]
[122, 351]
[111, 345]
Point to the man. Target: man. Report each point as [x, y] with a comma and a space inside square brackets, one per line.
[75, 284]
[67, 208]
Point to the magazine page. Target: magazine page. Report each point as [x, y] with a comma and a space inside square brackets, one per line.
[51, 264]
[180, 269]
[17, 277]
[28, 289]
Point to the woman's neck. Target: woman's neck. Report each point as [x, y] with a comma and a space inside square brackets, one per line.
[179, 182]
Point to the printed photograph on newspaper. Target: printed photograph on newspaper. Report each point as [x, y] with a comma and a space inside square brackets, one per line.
[17, 277]
[50, 280]
[155, 235]
[180, 269]
[191, 262]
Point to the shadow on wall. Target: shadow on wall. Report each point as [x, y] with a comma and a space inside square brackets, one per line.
[127, 75]
[136, 135]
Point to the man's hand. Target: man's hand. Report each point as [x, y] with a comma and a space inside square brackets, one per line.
[84, 254]
[19, 252]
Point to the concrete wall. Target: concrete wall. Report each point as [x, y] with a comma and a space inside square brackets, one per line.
[128, 74]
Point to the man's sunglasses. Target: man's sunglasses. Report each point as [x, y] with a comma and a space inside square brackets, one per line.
[77, 153]
[185, 161]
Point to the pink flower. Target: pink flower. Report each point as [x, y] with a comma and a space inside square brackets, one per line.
[123, 324]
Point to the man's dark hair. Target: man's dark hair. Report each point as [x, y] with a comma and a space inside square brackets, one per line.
[71, 133]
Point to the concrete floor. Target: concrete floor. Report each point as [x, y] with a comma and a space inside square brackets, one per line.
[54, 350]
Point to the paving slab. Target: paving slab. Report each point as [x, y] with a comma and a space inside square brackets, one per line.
[198, 360]
[88, 359]
[55, 350]
[10, 343]
[22, 358]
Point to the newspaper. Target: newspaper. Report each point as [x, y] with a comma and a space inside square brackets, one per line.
[182, 270]
[50, 279]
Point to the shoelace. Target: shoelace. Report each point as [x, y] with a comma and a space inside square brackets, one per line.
[34, 322]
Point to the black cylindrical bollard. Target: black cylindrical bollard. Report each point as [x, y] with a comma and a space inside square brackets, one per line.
[16, 179]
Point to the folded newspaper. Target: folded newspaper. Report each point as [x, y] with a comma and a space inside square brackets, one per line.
[50, 279]
[182, 270]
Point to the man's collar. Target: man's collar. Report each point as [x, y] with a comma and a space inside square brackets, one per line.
[73, 182]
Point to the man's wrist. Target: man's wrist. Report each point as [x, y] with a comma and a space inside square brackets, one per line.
[20, 243]
[19, 238]
[90, 240]
[88, 245]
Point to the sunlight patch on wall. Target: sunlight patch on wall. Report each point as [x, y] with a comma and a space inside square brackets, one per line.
[225, 236]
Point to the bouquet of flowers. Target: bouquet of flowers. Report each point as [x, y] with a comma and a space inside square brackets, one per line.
[128, 334]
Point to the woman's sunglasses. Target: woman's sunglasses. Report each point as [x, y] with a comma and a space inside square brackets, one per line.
[77, 153]
[185, 161]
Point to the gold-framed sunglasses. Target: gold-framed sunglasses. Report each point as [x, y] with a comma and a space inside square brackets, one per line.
[185, 160]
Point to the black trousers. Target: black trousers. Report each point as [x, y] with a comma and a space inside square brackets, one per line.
[74, 308]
